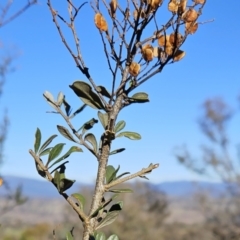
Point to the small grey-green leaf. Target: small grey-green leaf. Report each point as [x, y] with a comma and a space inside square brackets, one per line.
[109, 171]
[70, 237]
[130, 135]
[40, 171]
[110, 218]
[110, 199]
[103, 117]
[37, 141]
[143, 176]
[65, 184]
[66, 106]
[103, 91]
[117, 151]
[47, 142]
[45, 152]
[50, 99]
[91, 139]
[95, 213]
[116, 207]
[60, 98]
[89, 103]
[119, 126]
[113, 237]
[122, 174]
[122, 190]
[57, 179]
[84, 91]
[55, 152]
[88, 125]
[113, 176]
[64, 131]
[78, 110]
[67, 154]
[100, 236]
[80, 198]
[140, 97]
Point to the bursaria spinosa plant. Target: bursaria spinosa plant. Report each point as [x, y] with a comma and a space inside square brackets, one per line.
[137, 46]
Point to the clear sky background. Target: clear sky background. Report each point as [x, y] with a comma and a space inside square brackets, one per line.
[210, 68]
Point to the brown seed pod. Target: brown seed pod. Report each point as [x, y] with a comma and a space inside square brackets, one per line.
[157, 52]
[134, 69]
[173, 6]
[147, 53]
[190, 15]
[191, 27]
[179, 55]
[113, 7]
[100, 22]
[175, 40]
[169, 50]
[199, 1]
[182, 7]
[142, 14]
[164, 40]
[154, 4]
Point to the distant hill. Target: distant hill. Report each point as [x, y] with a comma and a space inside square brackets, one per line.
[185, 188]
[33, 188]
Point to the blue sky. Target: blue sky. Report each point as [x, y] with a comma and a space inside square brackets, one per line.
[210, 68]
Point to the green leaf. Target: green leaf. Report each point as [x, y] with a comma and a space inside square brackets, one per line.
[78, 110]
[110, 218]
[130, 135]
[84, 91]
[91, 139]
[67, 107]
[110, 199]
[40, 170]
[37, 141]
[103, 117]
[111, 215]
[113, 176]
[117, 206]
[122, 174]
[80, 198]
[103, 91]
[57, 179]
[50, 99]
[55, 152]
[113, 237]
[47, 142]
[65, 184]
[70, 237]
[117, 151]
[64, 131]
[100, 236]
[109, 171]
[119, 126]
[67, 154]
[140, 97]
[60, 98]
[143, 176]
[45, 152]
[88, 125]
[123, 190]
[95, 213]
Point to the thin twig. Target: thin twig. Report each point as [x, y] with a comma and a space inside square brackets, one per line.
[137, 174]
[80, 213]
[16, 14]
[78, 59]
